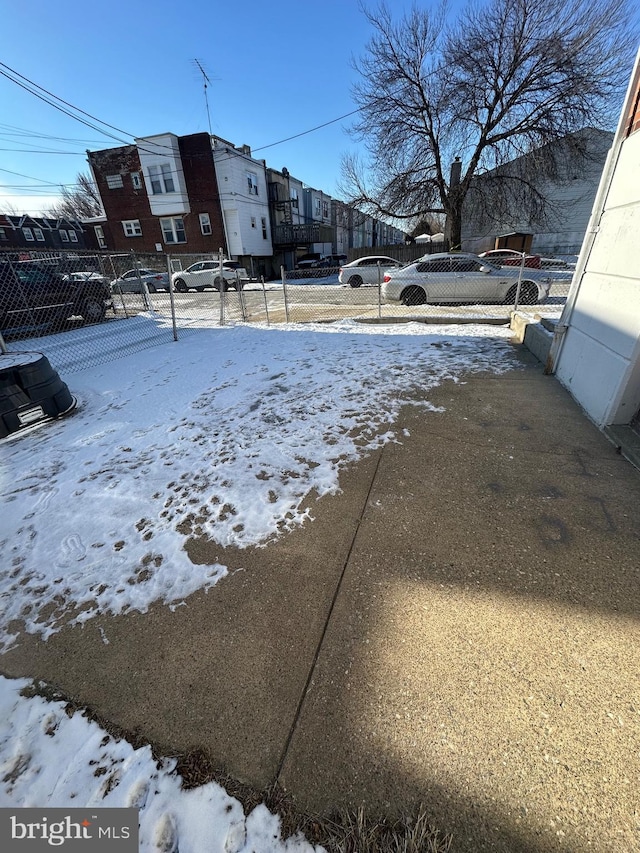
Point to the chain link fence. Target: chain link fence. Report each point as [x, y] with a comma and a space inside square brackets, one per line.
[448, 286]
[84, 309]
[64, 306]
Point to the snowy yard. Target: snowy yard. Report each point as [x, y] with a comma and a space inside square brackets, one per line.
[226, 434]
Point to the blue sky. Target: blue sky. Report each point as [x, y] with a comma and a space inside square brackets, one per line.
[276, 68]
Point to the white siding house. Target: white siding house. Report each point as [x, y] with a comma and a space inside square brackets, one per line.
[242, 186]
[596, 349]
[579, 160]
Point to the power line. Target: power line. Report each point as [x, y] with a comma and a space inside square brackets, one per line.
[305, 132]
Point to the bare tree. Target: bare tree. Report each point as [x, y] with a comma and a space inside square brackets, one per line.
[81, 202]
[502, 79]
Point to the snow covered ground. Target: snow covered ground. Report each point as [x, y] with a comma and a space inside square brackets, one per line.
[225, 434]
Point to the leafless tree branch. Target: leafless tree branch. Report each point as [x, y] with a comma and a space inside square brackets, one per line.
[502, 79]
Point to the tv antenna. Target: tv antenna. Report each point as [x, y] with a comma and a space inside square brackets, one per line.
[205, 80]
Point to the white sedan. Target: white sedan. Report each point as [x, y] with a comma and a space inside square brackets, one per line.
[365, 270]
[449, 277]
[207, 274]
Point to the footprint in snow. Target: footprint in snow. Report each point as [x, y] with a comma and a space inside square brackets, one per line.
[166, 835]
[73, 551]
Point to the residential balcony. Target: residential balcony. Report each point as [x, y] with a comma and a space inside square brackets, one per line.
[302, 235]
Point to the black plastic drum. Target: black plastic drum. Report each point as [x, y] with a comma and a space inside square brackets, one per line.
[30, 391]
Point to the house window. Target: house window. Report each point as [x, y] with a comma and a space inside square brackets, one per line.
[132, 227]
[252, 181]
[135, 180]
[205, 223]
[3, 234]
[38, 234]
[161, 179]
[114, 182]
[173, 230]
[253, 222]
[28, 234]
[63, 235]
[318, 207]
[99, 230]
[294, 199]
[73, 236]
[325, 209]
[264, 227]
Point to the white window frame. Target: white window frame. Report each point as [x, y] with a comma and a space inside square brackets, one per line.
[318, 207]
[136, 180]
[63, 235]
[168, 226]
[325, 209]
[3, 234]
[254, 224]
[252, 183]
[264, 228]
[28, 234]
[132, 228]
[205, 224]
[99, 232]
[161, 179]
[295, 201]
[114, 182]
[73, 236]
[38, 234]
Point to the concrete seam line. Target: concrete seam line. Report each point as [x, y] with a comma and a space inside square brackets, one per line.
[316, 656]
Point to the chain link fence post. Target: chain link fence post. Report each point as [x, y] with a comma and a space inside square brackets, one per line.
[519, 285]
[172, 300]
[283, 276]
[379, 291]
[264, 296]
[221, 285]
[240, 292]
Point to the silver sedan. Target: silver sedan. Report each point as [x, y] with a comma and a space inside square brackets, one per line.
[451, 277]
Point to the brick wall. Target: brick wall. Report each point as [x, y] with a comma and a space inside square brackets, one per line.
[202, 188]
[127, 202]
[633, 119]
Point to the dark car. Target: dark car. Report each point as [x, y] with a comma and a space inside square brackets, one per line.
[32, 295]
[511, 258]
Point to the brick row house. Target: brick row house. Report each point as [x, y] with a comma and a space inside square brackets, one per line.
[191, 194]
[42, 233]
[196, 194]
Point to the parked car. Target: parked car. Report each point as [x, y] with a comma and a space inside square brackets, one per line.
[511, 258]
[450, 277]
[365, 270]
[207, 274]
[31, 295]
[84, 275]
[131, 281]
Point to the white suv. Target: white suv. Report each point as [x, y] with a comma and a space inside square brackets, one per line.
[365, 270]
[207, 274]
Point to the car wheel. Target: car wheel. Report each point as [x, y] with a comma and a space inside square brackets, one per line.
[355, 281]
[529, 293]
[510, 298]
[180, 286]
[220, 283]
[413, 295]
[93, 310]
